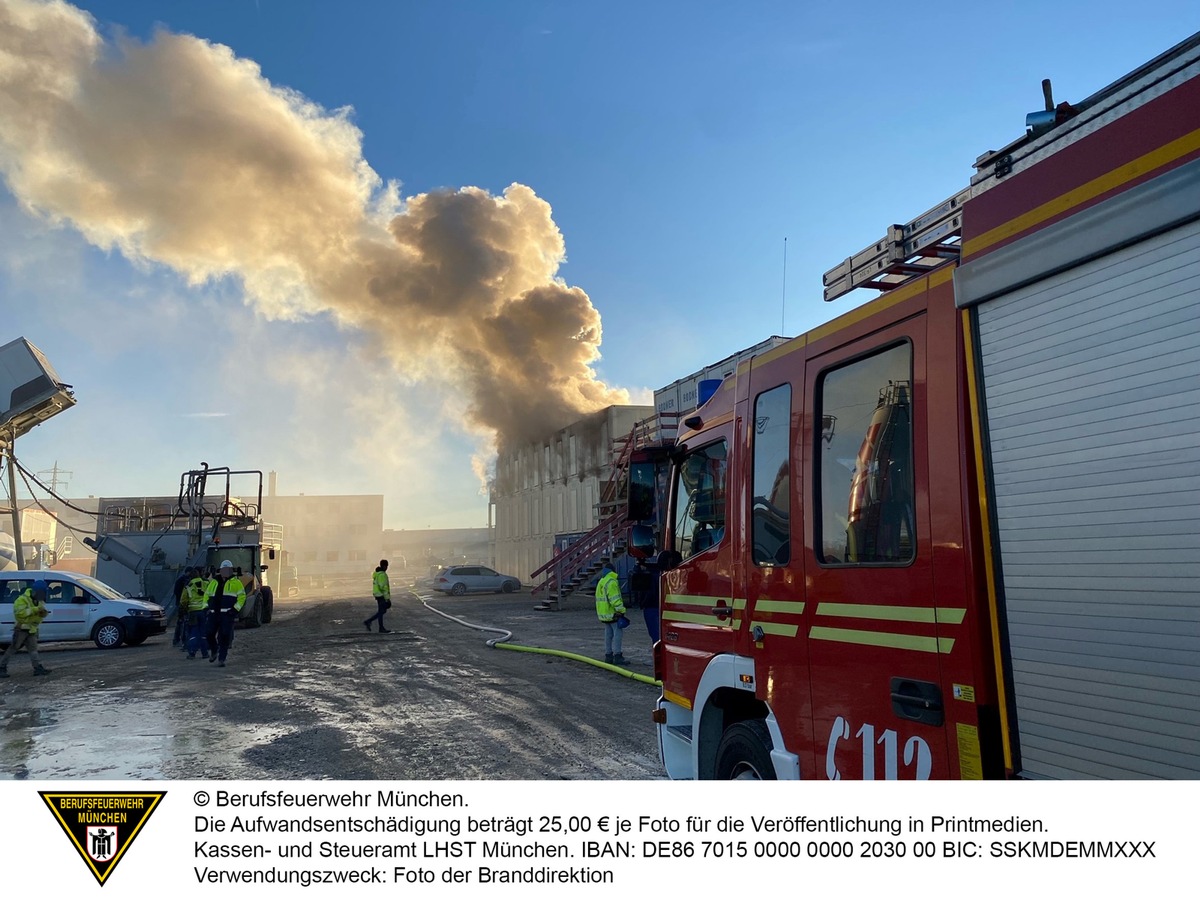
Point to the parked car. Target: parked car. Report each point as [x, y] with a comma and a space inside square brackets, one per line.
[82, 608]
[461, 579]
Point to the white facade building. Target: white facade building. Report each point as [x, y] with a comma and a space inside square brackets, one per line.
[554, 487]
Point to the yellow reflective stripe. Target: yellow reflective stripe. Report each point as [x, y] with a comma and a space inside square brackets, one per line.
[875, 639]
[886, 613]
[1147, 162]
[883, 639]
[931, 614]
[670, 615]
[677, 699]
[794, 607]
[776, 628]
[696, 600]
[985, 519]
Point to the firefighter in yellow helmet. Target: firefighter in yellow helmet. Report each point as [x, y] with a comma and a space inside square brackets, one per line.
[28, 609]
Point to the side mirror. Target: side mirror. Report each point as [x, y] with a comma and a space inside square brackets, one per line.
[264, 568]
[641, 542]
[668, 560]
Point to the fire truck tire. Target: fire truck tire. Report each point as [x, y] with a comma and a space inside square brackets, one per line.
[745, 753]
[268, 602]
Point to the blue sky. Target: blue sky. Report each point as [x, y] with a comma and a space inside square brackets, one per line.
[678, 145]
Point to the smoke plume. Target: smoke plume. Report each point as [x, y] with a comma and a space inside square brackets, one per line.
[177, 152]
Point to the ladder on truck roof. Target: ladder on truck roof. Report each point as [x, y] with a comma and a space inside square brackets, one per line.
[905, 251]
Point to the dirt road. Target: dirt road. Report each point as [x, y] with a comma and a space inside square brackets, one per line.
[314, 696]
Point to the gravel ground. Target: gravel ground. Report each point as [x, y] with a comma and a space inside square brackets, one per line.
[314, 696]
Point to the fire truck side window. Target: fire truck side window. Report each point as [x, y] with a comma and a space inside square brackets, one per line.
[771, 505]
[864, 461]
[700, 500]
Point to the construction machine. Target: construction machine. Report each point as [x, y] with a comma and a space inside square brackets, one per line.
[206, 528]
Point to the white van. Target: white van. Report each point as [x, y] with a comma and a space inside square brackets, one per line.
[81, 609]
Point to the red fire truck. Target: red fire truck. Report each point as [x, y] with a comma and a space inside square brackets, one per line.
[955, 532]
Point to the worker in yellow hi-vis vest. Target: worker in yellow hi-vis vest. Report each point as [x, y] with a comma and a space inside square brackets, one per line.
[226, 596]
[610, 609]
[381, 588]
[28, 610]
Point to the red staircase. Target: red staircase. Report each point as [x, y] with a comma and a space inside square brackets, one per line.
[575, 566]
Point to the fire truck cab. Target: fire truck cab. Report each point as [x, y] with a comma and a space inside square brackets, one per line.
[952, 532]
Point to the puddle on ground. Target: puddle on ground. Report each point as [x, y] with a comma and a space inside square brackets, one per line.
[110, 734]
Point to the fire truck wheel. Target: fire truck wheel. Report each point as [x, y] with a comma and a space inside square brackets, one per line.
[745, 753]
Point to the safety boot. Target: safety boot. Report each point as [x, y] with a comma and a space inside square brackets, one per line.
[608, 657]
[3, 673]
[619, 660]
[40, 670]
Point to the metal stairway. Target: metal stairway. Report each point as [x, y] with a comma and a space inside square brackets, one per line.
[574, 567]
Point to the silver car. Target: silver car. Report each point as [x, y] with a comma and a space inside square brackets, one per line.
[459, 580]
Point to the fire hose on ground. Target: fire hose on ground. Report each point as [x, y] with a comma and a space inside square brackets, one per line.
[502, 643]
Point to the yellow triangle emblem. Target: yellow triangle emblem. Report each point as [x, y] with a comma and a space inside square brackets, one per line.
[101, 825]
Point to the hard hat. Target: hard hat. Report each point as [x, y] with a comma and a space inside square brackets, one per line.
[40, 585]
[226, 564]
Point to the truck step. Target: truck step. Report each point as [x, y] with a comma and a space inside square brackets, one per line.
[681, 732]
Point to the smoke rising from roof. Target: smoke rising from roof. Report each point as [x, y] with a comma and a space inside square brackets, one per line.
[179, 153]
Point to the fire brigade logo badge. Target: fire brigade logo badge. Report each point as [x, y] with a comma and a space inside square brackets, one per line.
[100, 843]
[101, 826]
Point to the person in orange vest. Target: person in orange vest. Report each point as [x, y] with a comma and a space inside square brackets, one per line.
[610, 609]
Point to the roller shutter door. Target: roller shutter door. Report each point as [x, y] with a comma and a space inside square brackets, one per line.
[1092, 390]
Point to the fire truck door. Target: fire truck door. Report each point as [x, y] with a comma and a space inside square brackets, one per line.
[873, 643]
[698, 608]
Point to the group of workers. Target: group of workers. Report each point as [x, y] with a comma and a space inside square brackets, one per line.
[209, 608]
[208, 612]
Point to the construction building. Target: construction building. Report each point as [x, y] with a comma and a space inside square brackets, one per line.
[554, 488]
[559, 503]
